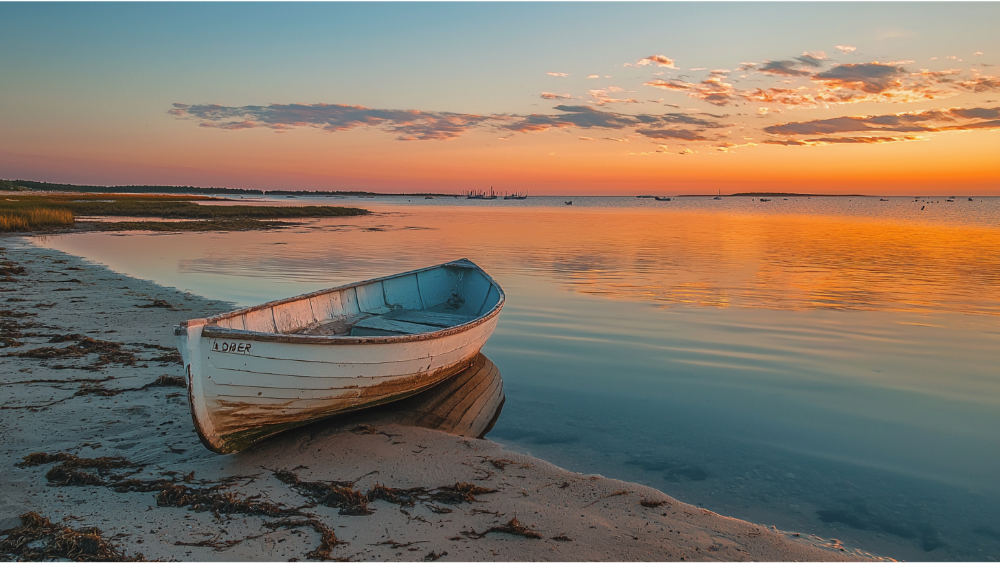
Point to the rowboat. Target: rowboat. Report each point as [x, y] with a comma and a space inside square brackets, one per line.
[255, 372]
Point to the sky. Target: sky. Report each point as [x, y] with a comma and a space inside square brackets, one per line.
[548, 98]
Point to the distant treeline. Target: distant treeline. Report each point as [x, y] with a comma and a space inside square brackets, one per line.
[31, 184]
[783, 194]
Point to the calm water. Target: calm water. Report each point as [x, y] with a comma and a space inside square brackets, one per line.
[825, 365]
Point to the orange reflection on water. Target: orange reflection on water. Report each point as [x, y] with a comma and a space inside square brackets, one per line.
[668, 256]
[718, 259]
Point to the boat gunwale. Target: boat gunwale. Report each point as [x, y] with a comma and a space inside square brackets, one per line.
[214, 331]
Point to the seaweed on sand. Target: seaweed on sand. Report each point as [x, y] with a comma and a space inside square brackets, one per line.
[166, 381]
[342, 495]
[328, 539]
[71, 471]
[38, 539]
[335, 494]
[512, 527]
[107, 352]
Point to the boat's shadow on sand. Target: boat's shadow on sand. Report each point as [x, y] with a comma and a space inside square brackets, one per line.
[467, 404]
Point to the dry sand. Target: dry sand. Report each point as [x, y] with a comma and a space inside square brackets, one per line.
[276, 501]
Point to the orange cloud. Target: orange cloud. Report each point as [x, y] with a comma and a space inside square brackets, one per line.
[658, 60]
[867, 77]
[980, 84]
[955, 119]
[713, 90]
[840, 140]
[551, 96]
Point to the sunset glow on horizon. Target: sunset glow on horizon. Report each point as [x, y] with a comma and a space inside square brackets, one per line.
[587, 99]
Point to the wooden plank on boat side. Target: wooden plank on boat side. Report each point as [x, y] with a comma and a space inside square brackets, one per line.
[437, 286]
[382, 323]
[428, 318]
[292, 316]
[328, 306]
[402, 291]
[371, 297]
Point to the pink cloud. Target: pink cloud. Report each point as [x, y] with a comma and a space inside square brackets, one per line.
[658, 60]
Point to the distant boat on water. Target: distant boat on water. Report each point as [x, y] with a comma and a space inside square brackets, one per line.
[569, 203]
[643, 197]
[882, 199]
[720, 196]
[481, 195]
[516, 195]
[658, 198]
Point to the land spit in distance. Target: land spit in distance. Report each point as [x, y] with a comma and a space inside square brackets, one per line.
[98, 448]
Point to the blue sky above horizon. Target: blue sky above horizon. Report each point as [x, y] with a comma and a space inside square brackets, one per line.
[88, 91]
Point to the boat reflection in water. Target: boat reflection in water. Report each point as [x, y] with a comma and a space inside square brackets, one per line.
[467, 404]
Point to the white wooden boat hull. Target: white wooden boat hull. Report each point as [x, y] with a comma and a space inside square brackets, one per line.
[256, 372]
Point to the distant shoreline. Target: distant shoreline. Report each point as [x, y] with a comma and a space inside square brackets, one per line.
[195, 190]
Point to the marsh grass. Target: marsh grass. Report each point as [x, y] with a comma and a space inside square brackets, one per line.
[34, 212]
[197, 226]
[34, 218]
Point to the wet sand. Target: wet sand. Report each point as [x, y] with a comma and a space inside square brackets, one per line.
[90, 369]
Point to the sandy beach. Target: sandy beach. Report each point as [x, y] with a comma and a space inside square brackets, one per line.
[91, 378]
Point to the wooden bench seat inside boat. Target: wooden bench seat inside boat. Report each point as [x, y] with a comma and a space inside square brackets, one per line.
[390, 323]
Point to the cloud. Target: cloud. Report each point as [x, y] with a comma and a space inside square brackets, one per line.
[713, 90]
[682, 134]
[559, 74]
[587, 139]
[933, 121]
[409, 125]
[867, 77]
[602, 98]
[594, 76]
[814, 60]
[977, 54]
[658, 60]
[551, 96]
[845, 49]
[937, 73]
[783, 68]
[980, 84]
[585, 117]
[840, 140]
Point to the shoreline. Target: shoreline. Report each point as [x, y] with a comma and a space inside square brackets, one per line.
[86, 348]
